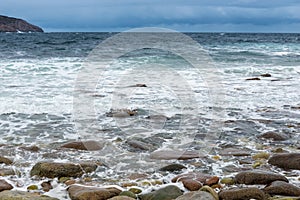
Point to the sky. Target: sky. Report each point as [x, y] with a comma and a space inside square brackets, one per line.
[180, 15]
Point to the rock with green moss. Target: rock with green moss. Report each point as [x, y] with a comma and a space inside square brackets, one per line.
[128, 194]
[52, 170]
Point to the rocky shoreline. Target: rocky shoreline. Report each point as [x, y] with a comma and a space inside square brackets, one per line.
[11, 24]
[261, 174]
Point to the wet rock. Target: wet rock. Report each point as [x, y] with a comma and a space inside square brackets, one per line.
[52, 170]
[235, 152]
[274, 136]
[5, 160]
[197, 195]
[167, 193]
[135, 190]
[172, 168]
[139, 145]
[266, 75]
[80, 192]
[174, 155]
[5, 185]
[8, 172]
[253, 79]
[121, 113]
[32, 187]
[139, 85]
[31, 148]
[243, 194]
[200, 177]
[128, 194]
[46, 186]
[211, 191]
[286, 160]
[261, 155]
[213, 180]
[122, 198]
[282, 188]
[90, 145]
[252, 177]
[227, 181]
[20, 195]
[191, 185]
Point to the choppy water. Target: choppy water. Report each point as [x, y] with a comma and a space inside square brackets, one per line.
[38, 86]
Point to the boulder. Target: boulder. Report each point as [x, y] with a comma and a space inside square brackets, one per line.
[52, 170]
[282, 188]
[197, 195]
[286, 160]
[20, 195]
[89, 145]
[10, 24]
[167, 193]
[5, 185]
[243, 194]
[80, 192]
[252, 177]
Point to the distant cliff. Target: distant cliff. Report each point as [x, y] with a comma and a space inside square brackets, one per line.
[10, 24]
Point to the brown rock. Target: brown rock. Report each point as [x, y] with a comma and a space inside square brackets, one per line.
[52, 170]
[212, 181]
[197, 195]
[191, 185]
[31, 148]
[252, 177]
[5, 160]
[20, 195]
[273, 136]
[174, 155]
[266, 75]
[80, 192]
[89, 145]
[47, 186]
[235, 152]
[282, 188]
[286, 160]
[243, 194]
[139, 145]
[121, 198]
[5, 185]
[172, 168]
[200, 177]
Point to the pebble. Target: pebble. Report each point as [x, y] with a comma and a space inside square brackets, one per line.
[169, 192]
[252, 177]
[191, 185]
[80, 192]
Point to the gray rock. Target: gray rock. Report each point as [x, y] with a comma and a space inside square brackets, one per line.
[167, 193]
[197, 195]
[20, 195]
[243, 194]
[282, 188]
[52, 170]
[252, 177]
[286, 160]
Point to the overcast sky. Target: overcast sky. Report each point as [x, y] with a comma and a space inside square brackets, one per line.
[181, 15]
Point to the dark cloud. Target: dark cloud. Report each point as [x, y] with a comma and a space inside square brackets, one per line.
[122, 14]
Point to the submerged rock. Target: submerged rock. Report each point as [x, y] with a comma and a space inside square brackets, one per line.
[235, 152]
[252, 177]
[167, 193]
[11, 24]
[253, 79]
[20, 195]
[286, 160]
[89, 145]
[52, 170]
[197, 195]
[243, 194]
[174, 155]
[5, 160]
[266, 75]
[80, 192]
[5, 185]
[282, 188]
[274, 136]
[172, 168]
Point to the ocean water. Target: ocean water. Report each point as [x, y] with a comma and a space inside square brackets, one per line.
[44, 101]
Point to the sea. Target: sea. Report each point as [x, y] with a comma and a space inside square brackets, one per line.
[172, 91]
